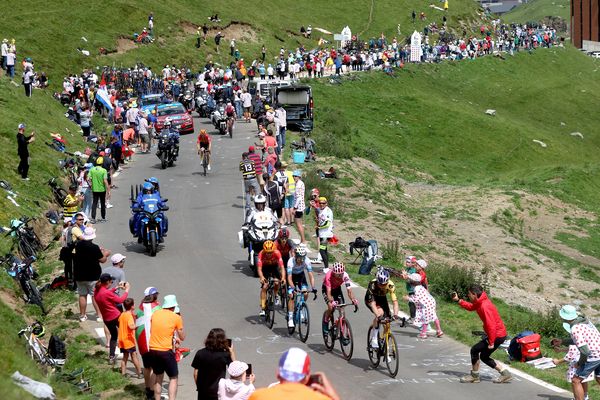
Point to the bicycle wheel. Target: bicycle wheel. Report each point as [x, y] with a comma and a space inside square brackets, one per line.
[270, 308]
[34, 295]
[26, 249]
[346, 339]
[303, 322]
[328, 337]
[204, 163]
[373, 353]
[391, 355]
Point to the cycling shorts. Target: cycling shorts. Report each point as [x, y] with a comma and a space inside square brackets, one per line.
[380, 302]
[270, 271]
[335, 293]
[299, 280]
[204, 145]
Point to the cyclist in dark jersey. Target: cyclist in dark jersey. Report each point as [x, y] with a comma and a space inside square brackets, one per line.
[284, 244]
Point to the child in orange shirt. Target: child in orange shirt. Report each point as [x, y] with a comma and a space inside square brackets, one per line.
[127, 337]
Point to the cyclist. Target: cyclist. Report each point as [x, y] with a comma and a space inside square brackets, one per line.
[332, 290]
[376, 299]
[271, 260]
[284, 244]
[297, 278]
[231, 115]
[204, 143]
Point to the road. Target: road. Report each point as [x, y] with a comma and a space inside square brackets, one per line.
[202, 263]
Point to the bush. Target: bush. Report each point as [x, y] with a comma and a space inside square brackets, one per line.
[312, 180]
[519, 318]
[334, 136]
[444, 280]
[391, 251]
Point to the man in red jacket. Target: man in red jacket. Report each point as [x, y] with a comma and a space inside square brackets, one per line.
[494, 330]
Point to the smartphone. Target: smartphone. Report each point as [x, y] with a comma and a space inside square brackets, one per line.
[314, 379]
[249, 370]
[229, 343]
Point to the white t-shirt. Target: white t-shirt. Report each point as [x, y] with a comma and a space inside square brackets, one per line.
[4, 48]
[326, 216]
[143, 126]
[10, 59]
[246, 99]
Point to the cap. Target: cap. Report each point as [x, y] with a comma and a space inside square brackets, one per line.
[89, 233]
[323, 199]
[21, 126]
[99, 161]
[150, 290]
[297, 173]
[88, 165]
[414, 277]
[410, 259]
[117, 258]
[106, 278]
[261, 134]
[568, 312]
[170, 301]
[284, 164]
[251, 148]
[267, 107]
[422, 263]
[294, 365]
[237, 368]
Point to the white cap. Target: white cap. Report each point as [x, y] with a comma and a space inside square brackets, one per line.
[117, 258]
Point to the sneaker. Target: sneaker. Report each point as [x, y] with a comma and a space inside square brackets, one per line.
[290, 323]
[262, 313]
[422, 336]
[25, 179]
[471, 378]
[108, 205]
[208, 167]
[82, 318]
[112, 360]
[374, 343]
[92, 221]
[504, 377]
[99, 319]
[440, 334]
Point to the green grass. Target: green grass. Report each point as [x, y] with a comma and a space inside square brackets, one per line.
[536, 10]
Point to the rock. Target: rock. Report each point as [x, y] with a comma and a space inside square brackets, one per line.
[489, 111]
[540, 143]
[578, 134]
[562, 123]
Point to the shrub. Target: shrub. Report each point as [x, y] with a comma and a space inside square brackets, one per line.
[312, 180]
[334, 136]
[391, 251]
[519, 318]
[444, 280]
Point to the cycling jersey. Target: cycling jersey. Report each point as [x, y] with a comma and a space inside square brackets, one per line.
[296, 269]
[204, 139]
[284, 249]
[269, 259]
[333, 282]
[230, 111]
[379, 293]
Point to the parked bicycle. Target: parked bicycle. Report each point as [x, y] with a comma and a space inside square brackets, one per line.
[37, 349]
[24, 273]
[339, 328]
[59, 193]
[388, 349]
[25, 238]
[301, 314]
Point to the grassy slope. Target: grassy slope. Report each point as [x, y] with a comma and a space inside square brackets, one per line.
[536, 10]
[54, 50]
[443, 129]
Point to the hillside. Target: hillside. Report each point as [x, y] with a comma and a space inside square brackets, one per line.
[110, 23]
[536, 10]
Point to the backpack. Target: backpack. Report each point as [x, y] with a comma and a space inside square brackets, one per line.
[368, 260]
[57, 348]
[525, 346]
[272, 189]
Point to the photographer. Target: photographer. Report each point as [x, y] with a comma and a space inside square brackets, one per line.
[296, 382]
[107, 301]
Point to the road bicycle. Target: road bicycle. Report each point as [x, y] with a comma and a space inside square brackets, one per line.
[24, 273]
[230, 127]
[59, 193]
[37, 349]
[388, 349]
[204, 155]
[339, 328]
[301, 316]
[270, 304]
[25, 238]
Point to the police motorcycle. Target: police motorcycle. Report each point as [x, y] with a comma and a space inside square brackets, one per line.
[148, 223]
[167, 145]
[219, 118]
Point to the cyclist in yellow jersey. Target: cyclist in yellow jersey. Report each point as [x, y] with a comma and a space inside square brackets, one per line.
[376, 300]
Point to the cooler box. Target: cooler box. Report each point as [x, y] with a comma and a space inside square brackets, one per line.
[299, 157]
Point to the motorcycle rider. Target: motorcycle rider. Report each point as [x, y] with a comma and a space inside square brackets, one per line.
[173, 135]
[260, 205]
[148, 195]
[204, 143]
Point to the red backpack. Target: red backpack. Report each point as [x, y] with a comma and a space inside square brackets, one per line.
[530, 347]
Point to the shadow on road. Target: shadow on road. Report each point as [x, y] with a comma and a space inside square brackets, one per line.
[552, 397]
[243, 266]
[138, 248]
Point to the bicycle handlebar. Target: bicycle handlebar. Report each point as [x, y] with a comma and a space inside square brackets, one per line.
[347, 304]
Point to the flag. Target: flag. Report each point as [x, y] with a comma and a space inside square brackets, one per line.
[102, 97]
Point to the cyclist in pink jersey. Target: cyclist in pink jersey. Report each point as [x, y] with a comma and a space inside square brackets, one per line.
[332, 290]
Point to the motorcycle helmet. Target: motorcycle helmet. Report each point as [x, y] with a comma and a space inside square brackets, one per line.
[269, 246]
[338, 268]
[383, 276]
[301, 252]
[284, 233]
[38, 329]
[259, 202]
[167, 123]
[147, 187]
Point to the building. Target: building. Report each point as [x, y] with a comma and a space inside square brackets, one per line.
[585, 24]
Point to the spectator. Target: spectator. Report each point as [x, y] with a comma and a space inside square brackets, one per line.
[85, 120]
[425, 306]
[107, 301]
[116, 270]
[494, 329]
[249, 175]
[143, 316]
[235, 388]
[325, 229]
[274, 195]
[210, 363]
[286, 181]
[85, 188]
[87, 270]
[572, 357]
[281, 126]
[28, 78]
[23, 151]
[586, 338]
[127, 337]
[151, 24]
[270, 161]
[10, 64]
[165, 324]
[100, 188]
[71, 203]
[143, 132]
[218, 38]
[4, 50]
[299, 205]
[294, 375]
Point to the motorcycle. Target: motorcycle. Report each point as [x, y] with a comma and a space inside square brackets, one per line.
[188, 101]
[255, 234]
[219, 119]
[167, 148]
[202, 107]
[150, 228]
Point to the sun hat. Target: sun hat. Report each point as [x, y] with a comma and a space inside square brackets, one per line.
[237, 368]
[170, 301]
[422, 263]
[414, 277]
[297, 173]
[106, 278]
[284, 164]
[568, 312]
[89, 233]
[294, 365]
[150, 290]
[21, 126]
[117, 258]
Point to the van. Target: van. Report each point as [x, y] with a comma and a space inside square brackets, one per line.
[263, 87]
[297, 101]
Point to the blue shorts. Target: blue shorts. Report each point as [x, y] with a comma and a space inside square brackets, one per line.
[589, 367]
[288, 201]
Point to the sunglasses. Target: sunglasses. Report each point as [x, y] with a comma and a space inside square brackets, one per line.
[79, 219]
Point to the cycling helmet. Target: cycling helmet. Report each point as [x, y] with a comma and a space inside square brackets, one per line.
[147, 187]
[383, 276]
[38, 329]
[269, 246]
[338, 268]
[259, 199]
[284, 233]
[203, 131]
[301, 251]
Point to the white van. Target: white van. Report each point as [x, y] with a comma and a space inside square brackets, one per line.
[263, 87]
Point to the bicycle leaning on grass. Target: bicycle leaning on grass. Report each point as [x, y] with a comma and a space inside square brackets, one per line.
[37, 349]
[24, 273]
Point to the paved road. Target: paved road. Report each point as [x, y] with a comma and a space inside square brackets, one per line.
[202, 263]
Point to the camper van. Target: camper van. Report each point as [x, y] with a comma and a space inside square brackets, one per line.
[297, 101]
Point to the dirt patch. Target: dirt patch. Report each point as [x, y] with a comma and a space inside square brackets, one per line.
[125, 44]
[507, 233]
[240, 31]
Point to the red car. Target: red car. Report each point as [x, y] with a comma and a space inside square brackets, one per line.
[180, 118]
